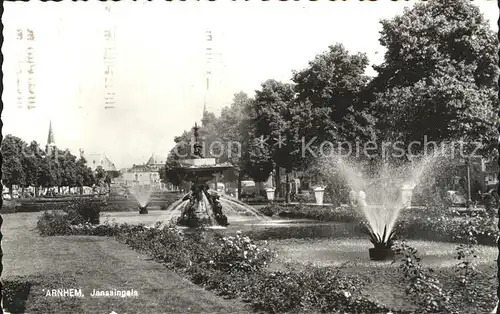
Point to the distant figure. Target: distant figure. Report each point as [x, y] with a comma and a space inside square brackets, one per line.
[353, 201]
[362, 199]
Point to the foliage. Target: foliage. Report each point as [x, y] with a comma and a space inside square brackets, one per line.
[379, 241]
[316, 289]
[321, 213]
[54, 223]
[439, 76]
[466, 267]
[14, 295]
[272, 119]
[84, 210]
[328, 91]
[28, 165]
[12, 167]
[80, 211]
[421, 282]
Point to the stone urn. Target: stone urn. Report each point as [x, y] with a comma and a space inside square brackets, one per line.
[406, 194]
[319, 192]
[270, 193]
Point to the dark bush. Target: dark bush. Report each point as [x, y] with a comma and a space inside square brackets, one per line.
[54, 223]
[313, 290]
[83, 210]
[15, 294]
[321, 213]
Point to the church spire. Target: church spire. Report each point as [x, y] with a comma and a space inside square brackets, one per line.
[50, 138]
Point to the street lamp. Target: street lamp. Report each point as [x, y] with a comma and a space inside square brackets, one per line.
[467, 163]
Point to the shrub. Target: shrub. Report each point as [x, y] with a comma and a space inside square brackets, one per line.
[301, 198]
[316, 289]
[9, 206]
[15, 293]
[54, 223]
[82, 210]
[322, 213]
[239, 253]
[422, 284]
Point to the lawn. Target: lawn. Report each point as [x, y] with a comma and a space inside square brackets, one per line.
[86, 263]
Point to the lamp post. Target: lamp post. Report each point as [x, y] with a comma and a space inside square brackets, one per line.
[469, 200]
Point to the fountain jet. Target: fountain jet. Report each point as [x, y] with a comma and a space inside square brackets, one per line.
[386, 188]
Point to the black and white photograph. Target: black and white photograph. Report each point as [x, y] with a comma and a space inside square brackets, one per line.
[236, 156]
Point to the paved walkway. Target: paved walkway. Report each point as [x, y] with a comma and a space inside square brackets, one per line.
[101, 263]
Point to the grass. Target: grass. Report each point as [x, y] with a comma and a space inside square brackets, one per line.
[91, 263]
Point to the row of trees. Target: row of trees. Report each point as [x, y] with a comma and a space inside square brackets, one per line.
[27, 165]
[438, 79]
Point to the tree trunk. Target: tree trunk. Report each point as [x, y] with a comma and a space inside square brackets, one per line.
[278, 182]
[287, 188]
[37, 191]
[81, 190]
[259, 189]
[240, 178]
[10, 192]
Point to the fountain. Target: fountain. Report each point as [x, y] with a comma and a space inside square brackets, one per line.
[201, 206]
[388, 190]
[142, 197]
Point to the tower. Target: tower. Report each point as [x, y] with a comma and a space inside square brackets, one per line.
[51, 144]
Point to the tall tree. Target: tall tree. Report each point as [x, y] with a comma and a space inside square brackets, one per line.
[84, 175]
[439, 76]
[12, 165]
[329, 91]
[272, 120]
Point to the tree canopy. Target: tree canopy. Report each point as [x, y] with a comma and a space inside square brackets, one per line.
[439, 76]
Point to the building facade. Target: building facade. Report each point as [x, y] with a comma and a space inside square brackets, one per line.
[95, 160]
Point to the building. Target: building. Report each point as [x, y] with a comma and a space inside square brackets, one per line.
[157, 161]
[142, 175]
[95, 160]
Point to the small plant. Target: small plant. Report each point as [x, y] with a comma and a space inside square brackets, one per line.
[421, 284]
[466, 266]
[380, 243]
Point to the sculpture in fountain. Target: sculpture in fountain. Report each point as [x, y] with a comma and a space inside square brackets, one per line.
[204, 206]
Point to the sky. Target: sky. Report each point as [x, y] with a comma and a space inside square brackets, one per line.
[160, 63]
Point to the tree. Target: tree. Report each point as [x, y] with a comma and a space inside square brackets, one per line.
[236, 130]
[439, 75]
[330, 105]
[12, 166]
[67, 168]
[84, 175]
[31, 162]
[169, 174]
[100, 174]
[272, 119]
